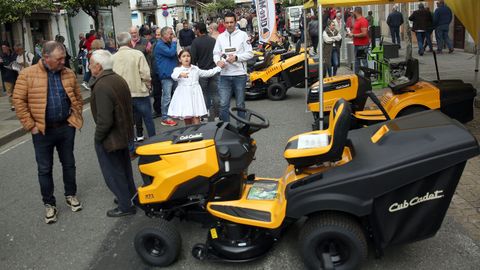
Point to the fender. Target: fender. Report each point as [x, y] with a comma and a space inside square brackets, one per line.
[300, 205]
[421, 94]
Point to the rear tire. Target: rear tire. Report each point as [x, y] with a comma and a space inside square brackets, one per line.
[411, 110]
[158, 246]
[276, 91]
[336, 236]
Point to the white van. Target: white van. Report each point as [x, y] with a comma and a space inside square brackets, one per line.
[292, 19]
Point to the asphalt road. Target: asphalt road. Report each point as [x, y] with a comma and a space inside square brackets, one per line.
[90, 240]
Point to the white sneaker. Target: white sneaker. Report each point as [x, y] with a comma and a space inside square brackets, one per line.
[85, 85]
[74, 203]
[50, 214]
[139, 139]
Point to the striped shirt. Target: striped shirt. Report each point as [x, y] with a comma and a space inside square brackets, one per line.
[58, 103]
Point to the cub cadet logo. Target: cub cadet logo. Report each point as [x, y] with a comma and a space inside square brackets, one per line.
[340, 86]
[263, 17]
[296, 69]
[190, 136]
[415, 200]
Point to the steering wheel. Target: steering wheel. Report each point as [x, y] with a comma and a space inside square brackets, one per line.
[247, 120]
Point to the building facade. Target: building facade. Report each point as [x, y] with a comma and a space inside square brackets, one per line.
[163, 12]
[46, 25]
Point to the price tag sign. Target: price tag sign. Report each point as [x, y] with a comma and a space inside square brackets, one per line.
[312, 141]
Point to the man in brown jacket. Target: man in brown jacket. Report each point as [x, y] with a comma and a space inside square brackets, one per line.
[48, 103]
[111, 105]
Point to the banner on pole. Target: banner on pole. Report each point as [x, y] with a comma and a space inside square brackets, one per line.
[267, 25]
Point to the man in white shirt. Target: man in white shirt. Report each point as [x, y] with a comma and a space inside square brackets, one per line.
[231, 52]
[20, 56]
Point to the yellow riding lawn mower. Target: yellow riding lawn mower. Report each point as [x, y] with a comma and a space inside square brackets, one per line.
[405, 95]
[273, 79]
[384, 184]
[272, 50]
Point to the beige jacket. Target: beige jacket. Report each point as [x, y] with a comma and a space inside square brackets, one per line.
[132, 66]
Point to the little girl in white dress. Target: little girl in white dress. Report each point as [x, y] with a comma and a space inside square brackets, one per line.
[187, 102]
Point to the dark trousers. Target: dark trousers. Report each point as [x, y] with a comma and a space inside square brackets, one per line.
[395, 33]
[314, 43]
[142, 111]
[157, 95]
[210, 94]
[138, 124]
[117, 171]
[63, 139]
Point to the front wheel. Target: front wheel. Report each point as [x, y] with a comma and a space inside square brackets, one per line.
[158, 246]
[332, 241]
[276, 91]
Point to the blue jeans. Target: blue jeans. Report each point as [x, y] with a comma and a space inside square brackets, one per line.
[428, 38]
[395, 33]
[441, 33]
[86, 74]
[420, 39]
[210, 94]
[62, 138]
[117, 171]
[227, 86]
[360, 57]
[142, 109]
[335, 60]
[167, 86]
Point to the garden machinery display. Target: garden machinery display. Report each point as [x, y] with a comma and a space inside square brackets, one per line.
[404, 96]
[390, 183]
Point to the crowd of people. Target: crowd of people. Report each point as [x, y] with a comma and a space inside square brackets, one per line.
[190, 77]
[191, 72]
[357, 27]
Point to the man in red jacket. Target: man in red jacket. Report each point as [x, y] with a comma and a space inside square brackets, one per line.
[90, 39]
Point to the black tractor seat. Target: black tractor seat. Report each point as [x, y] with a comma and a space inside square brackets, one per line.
[330, 143]
[287, 55]
[267, 61]
[279, 51]
[411, 77]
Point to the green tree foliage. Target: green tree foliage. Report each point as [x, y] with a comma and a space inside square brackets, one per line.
[91, 7]
[210, 8]
[15, 10]
[226, 4]
[294, 3]
[219, 7]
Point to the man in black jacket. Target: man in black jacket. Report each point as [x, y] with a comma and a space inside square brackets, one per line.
[186, 36]
[202, 56]
[422, 22]
[111, 105]
[394, 20]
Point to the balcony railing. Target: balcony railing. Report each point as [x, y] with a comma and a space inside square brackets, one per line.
[146, 4]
